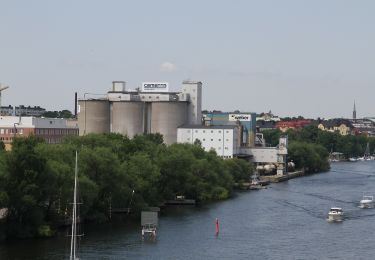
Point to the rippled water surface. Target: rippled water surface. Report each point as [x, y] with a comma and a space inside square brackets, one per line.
[285, 221]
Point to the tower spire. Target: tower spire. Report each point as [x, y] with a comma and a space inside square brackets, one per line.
[354, 112]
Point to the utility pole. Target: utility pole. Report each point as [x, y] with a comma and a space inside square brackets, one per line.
[1, 89]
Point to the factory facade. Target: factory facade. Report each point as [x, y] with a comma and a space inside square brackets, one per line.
[151, 109]
[224, 140]
[51, 130]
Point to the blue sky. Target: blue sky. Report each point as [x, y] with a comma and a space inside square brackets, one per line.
[310, 58]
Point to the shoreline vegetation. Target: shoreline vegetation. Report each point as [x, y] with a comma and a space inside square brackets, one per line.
[36, 179]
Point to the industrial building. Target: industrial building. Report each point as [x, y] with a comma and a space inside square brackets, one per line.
[52, 130]
[245, 120]
[224, 140]
[233, 134]
[149, 109]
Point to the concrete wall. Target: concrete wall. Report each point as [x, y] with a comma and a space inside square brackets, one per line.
[194, 91]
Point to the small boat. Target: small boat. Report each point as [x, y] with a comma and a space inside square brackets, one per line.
[367, 202]
[353, 159]
[335, 215]
[255, 185]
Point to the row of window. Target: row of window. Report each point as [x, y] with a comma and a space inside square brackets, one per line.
[11, 131]
[55, 131]
[204, 139]
[6, 138]
[204, 131]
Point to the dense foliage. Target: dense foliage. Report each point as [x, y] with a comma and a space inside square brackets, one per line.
[58, 114]
[36, 179]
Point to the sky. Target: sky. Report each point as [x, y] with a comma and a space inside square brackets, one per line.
[293, 57]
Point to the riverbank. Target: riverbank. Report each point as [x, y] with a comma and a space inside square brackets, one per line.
[281, 178]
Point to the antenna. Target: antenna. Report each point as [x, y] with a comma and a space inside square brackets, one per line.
[1, 89]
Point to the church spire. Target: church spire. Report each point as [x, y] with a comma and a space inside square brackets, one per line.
[354, 112]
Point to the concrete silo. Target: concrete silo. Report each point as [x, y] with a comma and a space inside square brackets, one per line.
[127, 118]
[166, 117]
[93, 116]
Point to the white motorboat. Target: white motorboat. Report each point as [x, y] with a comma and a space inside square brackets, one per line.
[353, 159]
[335, 214]
[367, 202]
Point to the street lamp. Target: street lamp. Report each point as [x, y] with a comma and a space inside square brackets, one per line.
[15, 130]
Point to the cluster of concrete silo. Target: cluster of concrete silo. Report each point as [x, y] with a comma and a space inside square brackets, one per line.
[137, 112]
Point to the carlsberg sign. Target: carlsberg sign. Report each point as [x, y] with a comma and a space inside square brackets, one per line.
[155, 87]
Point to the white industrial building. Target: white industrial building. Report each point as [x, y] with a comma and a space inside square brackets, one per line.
[224, 140]
[149, 109]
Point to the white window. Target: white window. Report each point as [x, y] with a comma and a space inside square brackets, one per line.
[1, 131]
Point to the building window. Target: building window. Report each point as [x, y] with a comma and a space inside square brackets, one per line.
[227, 140]
[196, 131]
[212, 131]
[227, 132]
[204, 139]
[219, 131]
[219, 140]
[226, 148]
[212, 139]
[188, 131]
[204, 131]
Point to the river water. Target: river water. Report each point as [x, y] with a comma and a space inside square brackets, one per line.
[285, 221]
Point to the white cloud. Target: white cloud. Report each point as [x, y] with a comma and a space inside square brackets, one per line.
[167, 67]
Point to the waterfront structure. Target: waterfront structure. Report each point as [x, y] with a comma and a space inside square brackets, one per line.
[223, 139]
[150, 109]
[52, 130]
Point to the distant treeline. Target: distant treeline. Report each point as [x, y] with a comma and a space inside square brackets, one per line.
[311, 136]
[36, 179]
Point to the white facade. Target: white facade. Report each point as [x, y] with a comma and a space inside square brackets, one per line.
[223, 140]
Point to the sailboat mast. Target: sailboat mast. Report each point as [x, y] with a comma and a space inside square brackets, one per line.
[73, 241]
